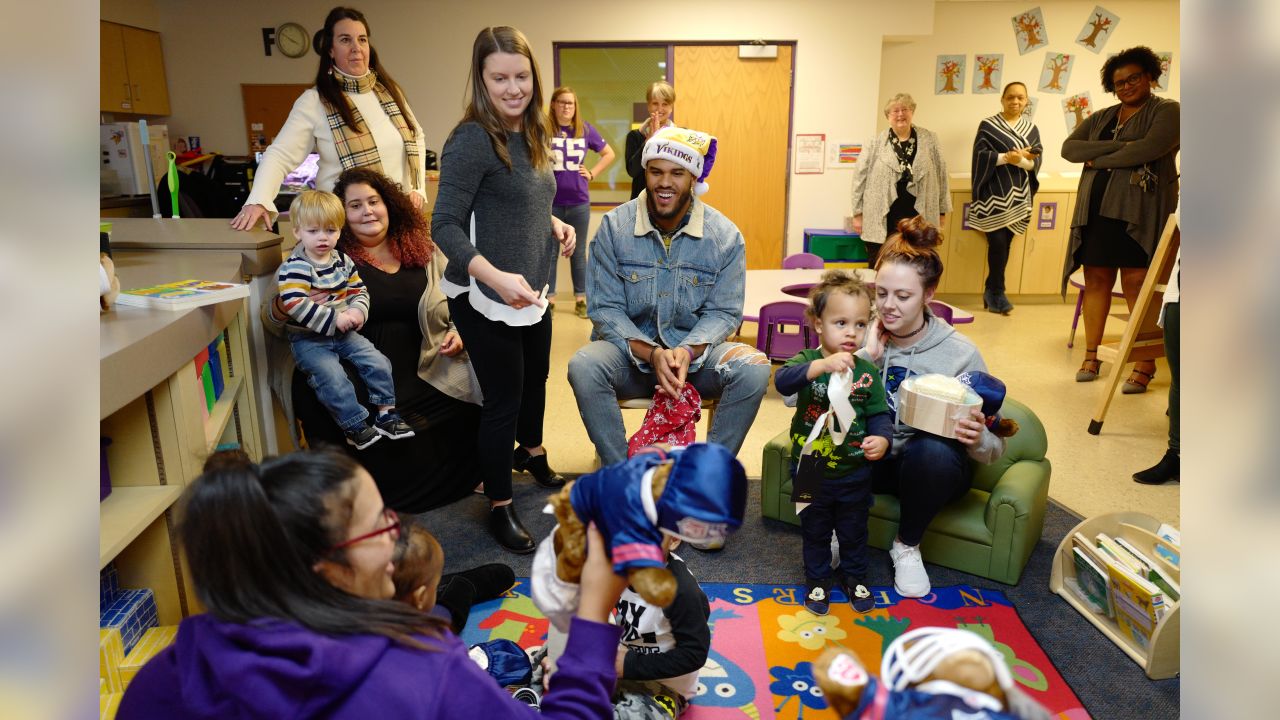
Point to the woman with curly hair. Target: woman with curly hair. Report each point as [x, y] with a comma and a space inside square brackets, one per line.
[1128, 189]
[436, 393]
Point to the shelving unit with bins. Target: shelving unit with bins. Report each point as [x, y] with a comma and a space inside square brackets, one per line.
[150, 407]
[1161, 659]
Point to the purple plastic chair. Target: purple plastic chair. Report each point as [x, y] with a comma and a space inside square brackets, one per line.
[803, 261]
[942, 310]
[773, 338]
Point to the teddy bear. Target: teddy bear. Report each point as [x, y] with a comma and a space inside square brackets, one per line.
[696, 494]
[926, 673]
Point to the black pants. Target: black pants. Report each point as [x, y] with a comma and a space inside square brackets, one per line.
[1172, 341]
[511, 364]
[998, 243]
[841, 505]
[930, 472]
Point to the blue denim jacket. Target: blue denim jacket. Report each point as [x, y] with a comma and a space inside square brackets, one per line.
[691, 294]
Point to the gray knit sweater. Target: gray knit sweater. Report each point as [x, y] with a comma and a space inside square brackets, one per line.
[512, 209]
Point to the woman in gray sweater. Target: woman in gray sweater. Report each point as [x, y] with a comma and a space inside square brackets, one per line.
[493, 221]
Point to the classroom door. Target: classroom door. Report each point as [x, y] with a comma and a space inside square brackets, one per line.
[746, 104]
[266, 107]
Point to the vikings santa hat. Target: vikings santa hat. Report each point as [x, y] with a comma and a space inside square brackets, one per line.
[694, 151]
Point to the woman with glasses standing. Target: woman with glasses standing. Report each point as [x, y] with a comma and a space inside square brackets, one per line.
[293, 560]
[901, 174]
[1006, 158]
[571, 138]
[1128, 189]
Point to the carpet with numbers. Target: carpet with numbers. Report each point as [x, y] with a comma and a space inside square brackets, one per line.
[764, 641]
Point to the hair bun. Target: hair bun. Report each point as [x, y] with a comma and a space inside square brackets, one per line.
[919, 233]
[233, 460]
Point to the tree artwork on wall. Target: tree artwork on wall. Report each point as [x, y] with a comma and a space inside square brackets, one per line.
[1075, 109]
[1166, 70]
[1098, 29]
[1057, 72]
[987, 70]
[1030, 110]
[1030, 31]
[948, 76]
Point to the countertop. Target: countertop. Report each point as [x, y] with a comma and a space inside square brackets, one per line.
[259, 248]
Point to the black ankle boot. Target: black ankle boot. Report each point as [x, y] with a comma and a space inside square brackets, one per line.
[536, 465]
[1160, 473]
[508, 530]
[490, 581]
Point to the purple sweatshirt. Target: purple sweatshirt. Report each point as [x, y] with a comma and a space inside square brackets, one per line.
[277, 669]
[569, 154]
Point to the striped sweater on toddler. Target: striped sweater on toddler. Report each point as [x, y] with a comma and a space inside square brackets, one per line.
[314, 294]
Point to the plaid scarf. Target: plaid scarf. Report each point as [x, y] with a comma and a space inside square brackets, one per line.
[356, 148]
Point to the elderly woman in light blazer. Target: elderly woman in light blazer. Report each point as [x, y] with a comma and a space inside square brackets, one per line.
[901, 174]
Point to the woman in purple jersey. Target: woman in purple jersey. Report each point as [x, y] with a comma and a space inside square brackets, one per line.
[571, 137]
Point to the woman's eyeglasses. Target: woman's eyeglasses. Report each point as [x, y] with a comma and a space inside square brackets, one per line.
[1133, 79]
[391, 524]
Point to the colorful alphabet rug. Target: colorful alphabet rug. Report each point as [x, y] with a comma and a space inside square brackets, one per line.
[764, 642]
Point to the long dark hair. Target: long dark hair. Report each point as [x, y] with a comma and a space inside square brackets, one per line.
[408, 232]
[253, 534]
[482, 112]
[916, 244]
[328, 86]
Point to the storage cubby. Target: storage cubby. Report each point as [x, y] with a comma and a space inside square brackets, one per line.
[1161, 659]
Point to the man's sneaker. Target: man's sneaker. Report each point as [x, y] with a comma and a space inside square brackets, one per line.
[362, 437]
[859, 595]
[393, 426]
[909, 577]
[817, 600]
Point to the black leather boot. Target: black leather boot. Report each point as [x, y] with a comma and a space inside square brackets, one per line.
[536, 465]
[508, 530]
[1162, 472]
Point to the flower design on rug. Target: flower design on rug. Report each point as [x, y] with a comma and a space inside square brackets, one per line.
[797, 682]
[810, 631]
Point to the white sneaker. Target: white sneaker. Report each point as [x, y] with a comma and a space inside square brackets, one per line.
[909, 577]
[710, 545]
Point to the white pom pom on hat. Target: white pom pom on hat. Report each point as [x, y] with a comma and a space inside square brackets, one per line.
[695, 151]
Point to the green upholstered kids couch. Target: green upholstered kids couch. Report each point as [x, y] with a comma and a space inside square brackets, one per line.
[990, 531]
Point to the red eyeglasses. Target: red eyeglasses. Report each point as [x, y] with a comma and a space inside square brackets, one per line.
[392, 526]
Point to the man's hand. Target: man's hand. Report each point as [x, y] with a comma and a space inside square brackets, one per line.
[671, 367]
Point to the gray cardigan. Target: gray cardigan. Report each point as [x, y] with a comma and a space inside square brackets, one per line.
[1150, 137]
[875, 180]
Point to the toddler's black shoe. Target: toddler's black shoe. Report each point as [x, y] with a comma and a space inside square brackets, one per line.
[390, 424]
[817, 598]
[859, 595]
[536, 465]
[362, 437]
[490, 581]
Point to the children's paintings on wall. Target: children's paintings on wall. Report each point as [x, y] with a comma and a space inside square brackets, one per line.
[1056, 73]
[948, 75]
[1098, 29]
[1030, 31]
[1075, 109]
[987, 71]
[1166, 72]
[1030, 109]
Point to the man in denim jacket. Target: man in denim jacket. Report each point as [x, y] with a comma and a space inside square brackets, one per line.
[665, 288]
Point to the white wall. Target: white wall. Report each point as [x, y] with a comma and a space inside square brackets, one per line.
[985, 27]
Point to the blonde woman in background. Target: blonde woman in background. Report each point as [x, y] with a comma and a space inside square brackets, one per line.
[900, 175]
[662, 104]
[571, 138]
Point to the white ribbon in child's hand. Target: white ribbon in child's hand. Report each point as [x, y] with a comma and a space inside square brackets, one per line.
[839, 386]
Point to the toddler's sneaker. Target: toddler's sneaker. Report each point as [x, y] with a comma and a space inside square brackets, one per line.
[391, 425]
[859, 595]
[362, 436]
[909, 577]
[817, 599]
[528, 696]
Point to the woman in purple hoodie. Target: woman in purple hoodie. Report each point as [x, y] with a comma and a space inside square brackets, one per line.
[292, 558]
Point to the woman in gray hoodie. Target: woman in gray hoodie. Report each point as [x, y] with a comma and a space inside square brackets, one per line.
[924, 471]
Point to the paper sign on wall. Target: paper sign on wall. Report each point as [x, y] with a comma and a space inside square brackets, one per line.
[1029, 29]
[1047, 218]
[987, 71]
[948, 75]
[1057, 72]
[1097, 29]
[1166, 72]
[845, 155]
[1076, 108]
[810, 149]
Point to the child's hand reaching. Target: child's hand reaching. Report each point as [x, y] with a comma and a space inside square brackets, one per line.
[874, 447]
[836, 363]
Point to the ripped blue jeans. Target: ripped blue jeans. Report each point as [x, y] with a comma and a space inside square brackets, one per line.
[601, 374]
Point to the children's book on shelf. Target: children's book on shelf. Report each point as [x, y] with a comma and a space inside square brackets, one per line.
[1139, 604]
[1092, 581]
[183, 295]
[1153, 572]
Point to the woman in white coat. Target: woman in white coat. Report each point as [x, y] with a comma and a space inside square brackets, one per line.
[900, 175]
[355, 116]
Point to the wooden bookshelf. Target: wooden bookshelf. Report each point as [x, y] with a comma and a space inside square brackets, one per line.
[153, 405]
[1161, 659]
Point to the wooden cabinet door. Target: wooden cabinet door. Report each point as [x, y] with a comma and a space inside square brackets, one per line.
[113, 75]
[145, 61]
[1046, 247]
[965, 267]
